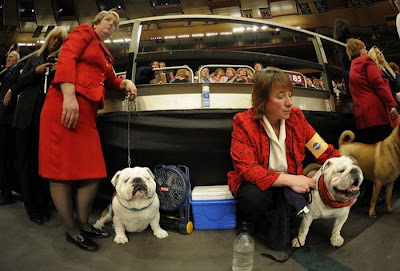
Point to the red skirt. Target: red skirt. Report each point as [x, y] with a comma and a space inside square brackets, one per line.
[69, 154]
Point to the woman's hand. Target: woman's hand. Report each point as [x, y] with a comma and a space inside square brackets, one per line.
[7, 98]
[41, 69]
[70, 114]
[393, 113]
[302, 184]
[130, 89]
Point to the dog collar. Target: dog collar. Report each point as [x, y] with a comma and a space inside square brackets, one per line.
[326, 198]
[135, 209]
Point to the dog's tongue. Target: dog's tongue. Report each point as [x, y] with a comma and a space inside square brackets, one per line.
[353, 189]
[139, 193]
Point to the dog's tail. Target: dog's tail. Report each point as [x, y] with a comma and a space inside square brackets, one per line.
[346, 137]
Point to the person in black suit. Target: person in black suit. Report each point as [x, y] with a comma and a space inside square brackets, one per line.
[7, 133]
[32, 87]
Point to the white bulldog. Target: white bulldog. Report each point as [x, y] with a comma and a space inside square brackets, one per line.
[134, 206]
[338, 186]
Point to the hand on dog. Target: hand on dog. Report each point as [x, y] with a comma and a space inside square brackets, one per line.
[302, 184]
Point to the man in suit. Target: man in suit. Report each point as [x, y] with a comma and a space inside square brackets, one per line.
[7, 133]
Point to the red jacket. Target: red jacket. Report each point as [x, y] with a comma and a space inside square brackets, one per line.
[81, 63]
[371, 94]
[250, 149]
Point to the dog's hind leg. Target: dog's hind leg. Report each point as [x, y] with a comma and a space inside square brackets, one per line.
[389, 190]
[106, 216]
[374, 199]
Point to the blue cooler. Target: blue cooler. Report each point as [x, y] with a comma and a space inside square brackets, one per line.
[213, 207]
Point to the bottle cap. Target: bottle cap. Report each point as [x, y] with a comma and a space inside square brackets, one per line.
[205, 88]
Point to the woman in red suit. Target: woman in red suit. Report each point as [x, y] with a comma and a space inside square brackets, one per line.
[70, 153]
[268, 147]
[373, 103]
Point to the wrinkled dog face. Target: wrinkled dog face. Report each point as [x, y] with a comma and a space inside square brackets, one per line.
[134, 183]
[343, 178]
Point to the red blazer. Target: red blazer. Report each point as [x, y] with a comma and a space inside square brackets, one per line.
[371, 94]
[250, 149]
[86, 62]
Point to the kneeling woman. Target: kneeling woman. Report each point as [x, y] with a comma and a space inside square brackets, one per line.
[268, 147]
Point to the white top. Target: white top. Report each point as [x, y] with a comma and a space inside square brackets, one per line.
[398, 24]
[277, 150]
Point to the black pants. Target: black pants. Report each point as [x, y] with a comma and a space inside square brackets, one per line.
[35, 190]
[7, 160]
[257, 206]
[373, 134]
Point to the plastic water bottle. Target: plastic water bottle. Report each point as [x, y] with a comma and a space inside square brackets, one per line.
[205, 91]
[243, 250]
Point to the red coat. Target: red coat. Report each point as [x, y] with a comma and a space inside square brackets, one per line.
[76, 153]
[81, 63]
[372, 99]
[250, 149]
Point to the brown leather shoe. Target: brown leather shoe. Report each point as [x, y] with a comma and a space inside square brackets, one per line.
[82, 242]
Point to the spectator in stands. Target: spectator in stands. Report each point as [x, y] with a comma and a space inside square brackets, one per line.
[229, 77]
[374, 106]
[396, 70]
[387, 72]
[268, 148]
[321, 84]
[341, 32]
[241, 76]
[165, 73]
[159, 77]
[309, 83]
[70, 152]
[32, 87]
[316, 83]
[258, 66]
[218, 74]
[396, 6]
[181, 76]
[13, 47]
[7, 133]
[205, 76]
[250, 75]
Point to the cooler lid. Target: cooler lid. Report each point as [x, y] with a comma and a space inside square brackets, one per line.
[212, 192]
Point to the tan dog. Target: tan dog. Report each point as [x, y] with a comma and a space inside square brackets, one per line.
[380, 163]
[135, 204]
[338, 186]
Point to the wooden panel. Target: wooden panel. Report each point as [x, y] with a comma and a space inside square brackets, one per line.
[44, 12]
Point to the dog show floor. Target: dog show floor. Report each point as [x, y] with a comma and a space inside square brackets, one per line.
[370, 244]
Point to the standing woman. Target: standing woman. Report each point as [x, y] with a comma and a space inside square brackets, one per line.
[70, 153]
[374, 105]
[387, 72]
[31, 92]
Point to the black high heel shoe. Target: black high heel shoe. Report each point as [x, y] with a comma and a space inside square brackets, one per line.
[82, 242]
[95, 233]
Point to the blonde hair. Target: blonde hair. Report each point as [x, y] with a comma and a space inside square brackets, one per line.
[232, 70]
[181, 73]
[353, 47]
[383, 65]
[60, 32]
[103, 14]
[16, 54]
[263, 83]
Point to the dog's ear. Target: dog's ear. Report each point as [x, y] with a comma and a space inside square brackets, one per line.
[326, 165]
[150, 173]
[114, 179]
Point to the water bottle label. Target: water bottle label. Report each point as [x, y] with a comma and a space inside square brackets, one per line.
[206, 95]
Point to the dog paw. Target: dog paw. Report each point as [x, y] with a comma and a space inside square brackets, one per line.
[98, 225]
[337, 241]
[160, 233]
[298, 242]
[121, 239]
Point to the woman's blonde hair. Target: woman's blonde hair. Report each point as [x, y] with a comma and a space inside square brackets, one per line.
[232, 70]
[383, 65]
[181, 73]
[103, 14]
[353, 47]
[60, 32]
[263, 83]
